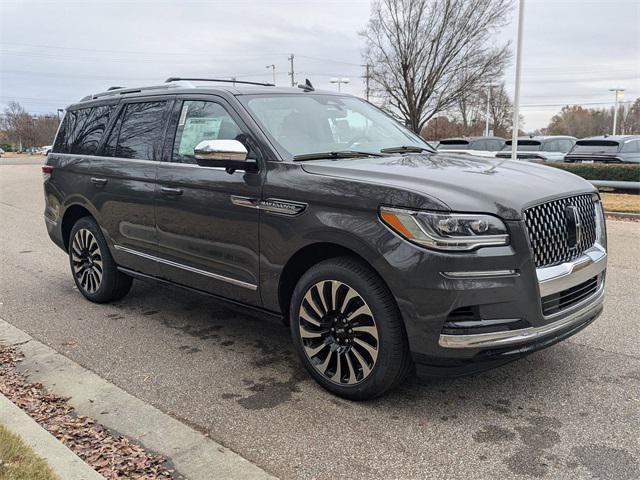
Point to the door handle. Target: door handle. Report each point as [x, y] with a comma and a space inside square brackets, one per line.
[171, 191]
[99, 182]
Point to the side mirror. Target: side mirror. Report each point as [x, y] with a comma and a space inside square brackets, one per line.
[229, 154]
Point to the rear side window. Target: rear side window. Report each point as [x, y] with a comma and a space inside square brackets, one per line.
[453, 145]
[596, 146]
[82, 130]
[138, 132]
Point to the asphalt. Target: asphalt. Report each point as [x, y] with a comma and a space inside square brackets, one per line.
[571, 411]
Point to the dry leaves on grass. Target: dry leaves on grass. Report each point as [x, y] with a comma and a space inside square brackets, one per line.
[113, 456]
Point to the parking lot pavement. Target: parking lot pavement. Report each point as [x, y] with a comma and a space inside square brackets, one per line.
[571, 411]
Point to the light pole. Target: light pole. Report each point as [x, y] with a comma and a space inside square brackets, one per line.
[615, 108]
[516, 96]
[486, 124]
[273, 69]
[339, 81]
[60, 110]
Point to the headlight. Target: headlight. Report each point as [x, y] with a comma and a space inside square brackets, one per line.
[446, 231]
[601, 229]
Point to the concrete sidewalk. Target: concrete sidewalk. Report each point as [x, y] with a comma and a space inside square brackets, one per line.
[191, 453]
[66, 464]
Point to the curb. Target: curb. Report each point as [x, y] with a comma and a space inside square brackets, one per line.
[623, 215]
[66, 464]
[191, 453]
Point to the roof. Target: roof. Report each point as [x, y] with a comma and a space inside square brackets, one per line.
[468, 139]
[542, 138]
[179, 86]
[613, 138]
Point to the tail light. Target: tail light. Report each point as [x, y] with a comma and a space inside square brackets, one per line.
[47, 170]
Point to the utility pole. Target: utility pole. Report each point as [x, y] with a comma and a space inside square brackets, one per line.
[291, 71]
[486, 124]
[59, 111]
[367, 76]
[273, 69]
[516, 97]
[615, 108]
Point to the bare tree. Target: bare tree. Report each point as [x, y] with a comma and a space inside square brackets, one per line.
[26, 130]
[427, 54]
[585, 122]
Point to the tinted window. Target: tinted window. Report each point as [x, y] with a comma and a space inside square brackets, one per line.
[81, 130]
[479, 145]
[495, 145]
[139, 131]
[596, 146]
[453, 145]
[523, 146]
[202, 121]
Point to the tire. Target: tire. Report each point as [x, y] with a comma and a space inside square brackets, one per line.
[366, 353]
[93, 269]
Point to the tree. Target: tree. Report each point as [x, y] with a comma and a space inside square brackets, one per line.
[26, 130]
[425, 55]
[586, 122]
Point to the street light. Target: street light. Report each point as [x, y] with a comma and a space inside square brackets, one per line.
[516, 96]
[615, 108]
[339, 81]
[60, 110]
[486, 124]
[273, 69]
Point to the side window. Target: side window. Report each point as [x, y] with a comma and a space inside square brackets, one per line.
[200, 120]
[631, 147]
[74, 123]
[551, 146]
[479, 145]
[138, 131]
[565, 145]
[89, 132]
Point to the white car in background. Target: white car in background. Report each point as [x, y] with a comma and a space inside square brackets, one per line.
[479, 146]
[46, 150]
[551, 148]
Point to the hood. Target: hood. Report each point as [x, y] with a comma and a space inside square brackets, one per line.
[463, 183]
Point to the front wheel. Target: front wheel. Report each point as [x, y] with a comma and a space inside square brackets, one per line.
[94, 271]
[347, 329]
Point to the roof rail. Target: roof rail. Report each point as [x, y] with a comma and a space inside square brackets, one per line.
[190, 79]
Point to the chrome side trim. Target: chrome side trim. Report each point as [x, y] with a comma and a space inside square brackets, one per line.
[481, 274]
[270, 205]
[524, 335]
[222, 278]
[566, 275]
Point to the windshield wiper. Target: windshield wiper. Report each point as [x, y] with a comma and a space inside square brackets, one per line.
[337, 154]
[405, 149]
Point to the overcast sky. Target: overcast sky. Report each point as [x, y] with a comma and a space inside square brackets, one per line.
[54, 52]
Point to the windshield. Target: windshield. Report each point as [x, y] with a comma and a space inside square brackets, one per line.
[302, 124]
[523, 146]
[596, 146]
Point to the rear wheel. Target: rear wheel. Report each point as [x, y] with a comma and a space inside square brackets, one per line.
[347, 329]
[94, 271]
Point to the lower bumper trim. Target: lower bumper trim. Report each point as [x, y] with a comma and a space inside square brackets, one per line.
[524, 335]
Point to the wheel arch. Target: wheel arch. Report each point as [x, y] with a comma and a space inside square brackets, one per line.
[305, 258]
[72, 214]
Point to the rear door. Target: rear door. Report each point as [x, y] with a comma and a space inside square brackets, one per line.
[208, 237]
[123, 180]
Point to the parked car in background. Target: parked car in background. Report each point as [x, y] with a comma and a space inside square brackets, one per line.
[481, 146]
[46, 149]
[1, 152]
[541, 148]
[606, 149]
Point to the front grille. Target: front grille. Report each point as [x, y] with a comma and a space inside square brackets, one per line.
[548, 232]
[559, 301]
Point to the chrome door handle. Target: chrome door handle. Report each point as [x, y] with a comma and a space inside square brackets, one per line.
[99, 182]
[171, 191]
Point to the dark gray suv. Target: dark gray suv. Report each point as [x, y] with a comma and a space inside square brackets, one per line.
[382, 255]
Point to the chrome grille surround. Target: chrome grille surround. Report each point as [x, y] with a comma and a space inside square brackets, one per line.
[546, 226]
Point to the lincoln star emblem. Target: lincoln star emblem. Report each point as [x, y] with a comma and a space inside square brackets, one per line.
[574, 226]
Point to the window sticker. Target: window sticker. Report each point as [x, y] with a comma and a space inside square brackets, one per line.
[196, 130]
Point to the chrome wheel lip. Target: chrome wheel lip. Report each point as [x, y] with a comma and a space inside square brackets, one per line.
[86, 261]
[338, 332]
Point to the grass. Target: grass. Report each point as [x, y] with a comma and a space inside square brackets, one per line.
[621, 202]
[19, 462]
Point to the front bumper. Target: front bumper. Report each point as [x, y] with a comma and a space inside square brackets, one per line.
[551, 280]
